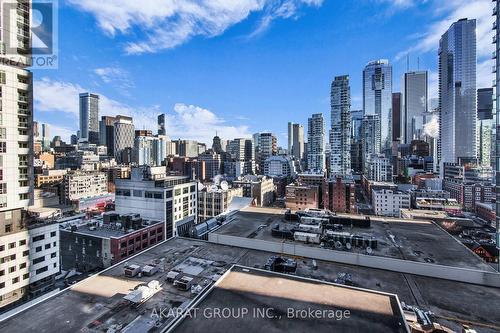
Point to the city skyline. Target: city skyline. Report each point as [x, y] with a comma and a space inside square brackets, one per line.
[119, 78]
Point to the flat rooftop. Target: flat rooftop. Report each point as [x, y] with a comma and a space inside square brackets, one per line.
[96, 227]
[96, 304]
[291, 303]
[414, 240]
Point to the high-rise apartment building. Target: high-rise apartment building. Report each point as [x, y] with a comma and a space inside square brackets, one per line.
[370, 138]
[485, 126]
[396, 117]
[187, 148]
[356, 143]
[123, 138]
[316, 143]
[266, 146]
[161, 124]
[21, 264]
[377, 99]
[89, 118]
[414, 105]
[457, 93]
[107, 134]
[296, 140]
[496, 69]
[340, 133]
[45, 137]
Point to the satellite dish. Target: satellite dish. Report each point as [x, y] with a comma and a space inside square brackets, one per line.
[369, 250]
[338, 245]
[224, 185]
[348, 245]
[214, 188]
[200, 187]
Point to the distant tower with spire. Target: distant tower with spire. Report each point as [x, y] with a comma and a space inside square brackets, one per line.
[216, 144]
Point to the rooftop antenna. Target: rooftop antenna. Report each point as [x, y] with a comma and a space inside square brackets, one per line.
[407, 62]
[418, 63]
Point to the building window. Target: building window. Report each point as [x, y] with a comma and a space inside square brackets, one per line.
[26, 276]
[53, 234]
[2, 285]
[3, 147]
[15, 280]
[38, 260]
[12, 245]
[22, 242]
[12, 269]
[8, 228]
[38, 238]
[53, 255]
[41, 270]
[23, 265]
[38, 249]
[26, 253]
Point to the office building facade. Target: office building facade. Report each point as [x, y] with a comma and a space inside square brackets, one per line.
[457, 93]
[414, 105]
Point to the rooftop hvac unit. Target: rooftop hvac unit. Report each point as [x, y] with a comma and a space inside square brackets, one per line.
[184, 283]
[131, 270]
[172, 275]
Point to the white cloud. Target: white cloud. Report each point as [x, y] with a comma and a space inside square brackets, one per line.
[186, 121]
[114, 74]
[196, 123]
[450, 11]
[401, 4]
[432, 127]
[281, 10]
[64, 132]
[165, 24]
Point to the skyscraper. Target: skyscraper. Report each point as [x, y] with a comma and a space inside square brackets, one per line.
[123, 139]
[45, 137]
[89, 118]
[496, 69]
[457, 93]
[377, 99]
[316, 143]
[16, 156]
[396, 117]
[340, 135]
[217, 144]
[107, 134]
[370, 138]
[486, 127]
[296, 140]
[161, 124]
[290, 138]
[267, 146]
[414, 105]
[356, 143]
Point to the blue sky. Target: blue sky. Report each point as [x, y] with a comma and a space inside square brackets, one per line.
[237, 66]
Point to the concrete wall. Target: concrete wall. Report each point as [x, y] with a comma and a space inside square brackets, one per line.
[396, 265]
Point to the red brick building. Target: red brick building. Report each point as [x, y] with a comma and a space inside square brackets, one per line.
[339, 196]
